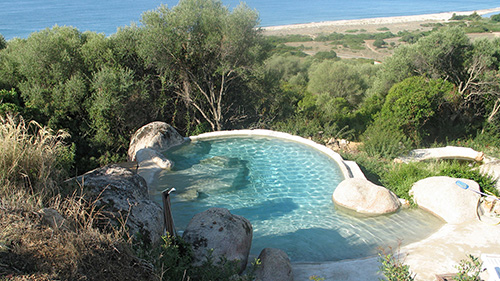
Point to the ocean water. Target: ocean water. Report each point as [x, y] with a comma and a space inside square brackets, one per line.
[19, 18]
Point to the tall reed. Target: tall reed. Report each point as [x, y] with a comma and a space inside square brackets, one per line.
[30, 157]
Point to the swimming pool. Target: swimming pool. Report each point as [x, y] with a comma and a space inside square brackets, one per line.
[284, 188]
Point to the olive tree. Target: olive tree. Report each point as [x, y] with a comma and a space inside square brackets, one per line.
[201, 50]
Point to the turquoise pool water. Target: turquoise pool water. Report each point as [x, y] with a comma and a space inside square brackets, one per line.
[284, 188]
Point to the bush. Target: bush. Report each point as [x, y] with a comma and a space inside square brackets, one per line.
[409, 109]
[460, 170]
[495, 18]
[401, 177]
[379, 43]
[393, 268]
[469, 270]
[385, 142]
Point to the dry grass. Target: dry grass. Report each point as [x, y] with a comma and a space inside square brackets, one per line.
[33, 248]
[29, 156]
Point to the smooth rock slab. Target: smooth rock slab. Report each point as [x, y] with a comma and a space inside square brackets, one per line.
[366, 197]
[443, 197]
[274, 266]
[218, 231]
[158, 136]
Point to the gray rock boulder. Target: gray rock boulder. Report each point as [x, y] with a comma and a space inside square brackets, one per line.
[226, 235]
[443, 197]
[365, 197]
[53, 219]
[274, 266]
[122, 196]
[158, 136]
[492, 169]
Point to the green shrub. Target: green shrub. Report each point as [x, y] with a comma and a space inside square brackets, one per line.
[393, 268]
[469, 270]
[460, 170]
[401, 177]
[495, 18]
[379, 43]
[386, 143]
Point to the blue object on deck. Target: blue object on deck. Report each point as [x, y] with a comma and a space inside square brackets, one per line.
[462, 184]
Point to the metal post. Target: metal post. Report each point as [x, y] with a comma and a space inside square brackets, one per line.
[168, 220]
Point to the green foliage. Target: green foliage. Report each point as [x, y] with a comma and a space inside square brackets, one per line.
[409, 106]
[3, 42]
[401, 177]
[460, 170]
[172, 262]
[469, 270]
[204, 51]
[495, 18]
[471, 17]
[385, 142]
[379, 43]
[337, 79]
[320, 56]
[10, 102]
[393, 268]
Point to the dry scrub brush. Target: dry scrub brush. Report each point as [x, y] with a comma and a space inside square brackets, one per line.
[31, 157]
[31, 247]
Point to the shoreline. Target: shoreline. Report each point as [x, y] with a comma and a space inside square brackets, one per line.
[318, 27]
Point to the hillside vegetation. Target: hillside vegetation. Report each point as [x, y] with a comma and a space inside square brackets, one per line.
[70, 101]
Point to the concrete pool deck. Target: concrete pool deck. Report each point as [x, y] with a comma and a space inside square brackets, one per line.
[438, 254]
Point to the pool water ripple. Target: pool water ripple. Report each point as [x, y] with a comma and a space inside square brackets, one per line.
[284, 188]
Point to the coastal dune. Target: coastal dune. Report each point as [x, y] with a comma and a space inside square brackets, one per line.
[395, 24]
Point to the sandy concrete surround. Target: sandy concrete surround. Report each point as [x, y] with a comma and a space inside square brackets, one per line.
[440, 253]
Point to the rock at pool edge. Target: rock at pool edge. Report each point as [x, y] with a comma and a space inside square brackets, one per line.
[365, 197]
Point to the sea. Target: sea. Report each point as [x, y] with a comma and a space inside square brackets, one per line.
[19, 18]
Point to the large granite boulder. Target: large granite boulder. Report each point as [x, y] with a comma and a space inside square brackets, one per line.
[443, 197]
[156, 136]
[274, 266]
[122, 197]
[365, 197]
[492, 169]
[226, 235]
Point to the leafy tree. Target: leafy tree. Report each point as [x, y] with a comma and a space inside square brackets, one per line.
[115, 108]
[3, 42]
[202, 50]
[411, 104]
[379, 43]
[337, 79]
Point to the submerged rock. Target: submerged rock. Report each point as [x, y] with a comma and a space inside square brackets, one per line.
[443, 197]
[223, 234]
[122, 197]
[366, 197]
[274, 266]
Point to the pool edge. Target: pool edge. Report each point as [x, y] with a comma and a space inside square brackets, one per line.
[349, 168]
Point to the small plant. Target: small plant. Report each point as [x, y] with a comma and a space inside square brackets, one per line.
[393, 268]
[469, 269]
[316, 278]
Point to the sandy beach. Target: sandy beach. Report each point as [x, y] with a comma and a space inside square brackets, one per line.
[394, 24]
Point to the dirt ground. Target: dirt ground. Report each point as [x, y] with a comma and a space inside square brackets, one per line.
[368, 51]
